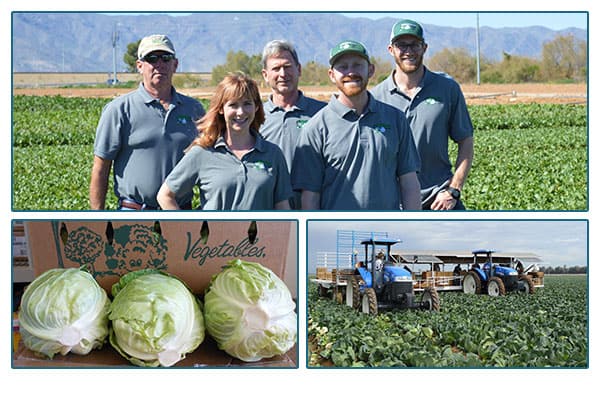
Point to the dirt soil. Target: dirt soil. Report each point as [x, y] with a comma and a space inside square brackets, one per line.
[474, 94]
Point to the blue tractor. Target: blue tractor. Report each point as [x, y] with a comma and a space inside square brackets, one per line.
[380, 283]
[486, 277]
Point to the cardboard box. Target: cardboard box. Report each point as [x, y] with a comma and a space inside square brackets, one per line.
[113, 248]
[207, 355]
[321, 272]
[110, 249]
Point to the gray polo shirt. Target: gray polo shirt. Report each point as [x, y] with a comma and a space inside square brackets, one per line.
[437, 111]
[145, 141]
[256, 182]
[354, 161]
[282, 127]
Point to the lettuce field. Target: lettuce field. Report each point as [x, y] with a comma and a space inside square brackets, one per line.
[527, 156]
[547, 329]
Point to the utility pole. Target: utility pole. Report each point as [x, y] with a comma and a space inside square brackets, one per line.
[115, 39]
[478, 52]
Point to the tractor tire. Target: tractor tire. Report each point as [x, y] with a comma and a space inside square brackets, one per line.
[471, 283]
[528, 286]
[432, 298]
[496, 287]
[355, 294]
[369, 302]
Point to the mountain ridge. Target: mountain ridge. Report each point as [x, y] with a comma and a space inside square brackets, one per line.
[82, 41]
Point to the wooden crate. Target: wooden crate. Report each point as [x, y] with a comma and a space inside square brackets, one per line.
[321, 272]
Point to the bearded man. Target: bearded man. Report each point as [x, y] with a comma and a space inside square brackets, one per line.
[436, 110]
[356, 153]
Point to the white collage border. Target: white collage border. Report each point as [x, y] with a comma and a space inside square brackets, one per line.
[301, 382]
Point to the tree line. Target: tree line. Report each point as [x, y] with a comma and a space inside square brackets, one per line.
[563, 60]
[564, 270]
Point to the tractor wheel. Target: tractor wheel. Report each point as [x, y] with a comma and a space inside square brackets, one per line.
[355, 294]
[471, 283]
[528, 286]
[431, 298]
[495, 287]
[369, 302]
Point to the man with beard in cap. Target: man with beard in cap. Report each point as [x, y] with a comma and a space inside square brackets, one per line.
[356, 153]
[436, 110]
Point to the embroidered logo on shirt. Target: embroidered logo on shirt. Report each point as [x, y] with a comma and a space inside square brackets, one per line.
[432, 100]
[261, 165]
[300, 123]
[183, 119]
[383, 128]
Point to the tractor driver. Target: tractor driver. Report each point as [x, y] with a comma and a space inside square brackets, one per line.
[379, 261]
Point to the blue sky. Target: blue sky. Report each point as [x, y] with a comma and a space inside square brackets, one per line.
[557, 242]
[552, 20]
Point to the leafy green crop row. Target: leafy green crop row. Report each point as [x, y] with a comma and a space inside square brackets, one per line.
[54, 178]
[527, 116]
[547, 329]
[529, 169]
[56, 120]
[527, 156]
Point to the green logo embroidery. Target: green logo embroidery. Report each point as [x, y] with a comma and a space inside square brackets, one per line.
[431, 100]
[262, 165]
[382, 128]
[183, 119]
[300, 123]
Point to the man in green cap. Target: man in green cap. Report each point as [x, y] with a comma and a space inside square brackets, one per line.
[356, 153]
[436, 110]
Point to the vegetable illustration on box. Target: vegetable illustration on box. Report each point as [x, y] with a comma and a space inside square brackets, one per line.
[127, 248]
[135, 247]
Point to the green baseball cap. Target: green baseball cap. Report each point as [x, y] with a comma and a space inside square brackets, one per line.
[348, 46]
[406, 27]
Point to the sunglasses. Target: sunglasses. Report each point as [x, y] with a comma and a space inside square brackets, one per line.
[153, 58]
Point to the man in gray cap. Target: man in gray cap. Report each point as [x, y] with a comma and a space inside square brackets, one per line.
[356, 153]
[143, 134]
[436, 110]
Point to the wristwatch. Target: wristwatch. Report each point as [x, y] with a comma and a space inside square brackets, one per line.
[455, 193]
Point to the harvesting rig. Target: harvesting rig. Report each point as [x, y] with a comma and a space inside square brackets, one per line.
[454, 270]
[407, 279]
[378, 283]
[495, 279]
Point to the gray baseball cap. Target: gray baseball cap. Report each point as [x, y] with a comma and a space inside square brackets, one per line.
[155, 43]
